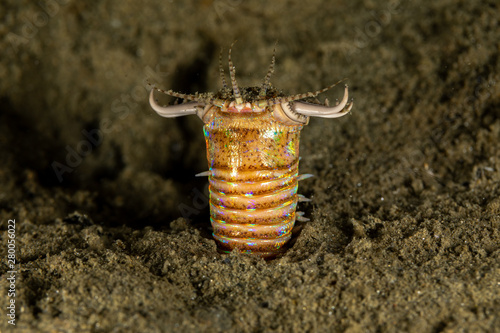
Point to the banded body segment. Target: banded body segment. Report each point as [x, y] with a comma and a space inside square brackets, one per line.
[253, 163]
[251, 195]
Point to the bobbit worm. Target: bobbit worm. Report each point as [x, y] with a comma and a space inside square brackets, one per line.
[252, 138]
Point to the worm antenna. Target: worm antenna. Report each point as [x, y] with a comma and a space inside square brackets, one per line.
[281, 100]
[187, 97]
[267, 79]
[232, 73]
[221, 71]
[310, 94]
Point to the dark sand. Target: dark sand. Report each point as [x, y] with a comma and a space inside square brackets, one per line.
[405, 228]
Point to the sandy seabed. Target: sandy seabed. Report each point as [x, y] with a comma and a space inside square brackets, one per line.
[112, 233]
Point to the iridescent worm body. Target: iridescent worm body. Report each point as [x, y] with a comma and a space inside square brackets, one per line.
[252, 137]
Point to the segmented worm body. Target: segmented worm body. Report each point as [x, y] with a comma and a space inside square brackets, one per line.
[252, 139]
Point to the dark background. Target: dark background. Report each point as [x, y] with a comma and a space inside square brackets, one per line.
[404, 232]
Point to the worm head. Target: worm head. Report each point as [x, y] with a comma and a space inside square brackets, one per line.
[289, 110]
